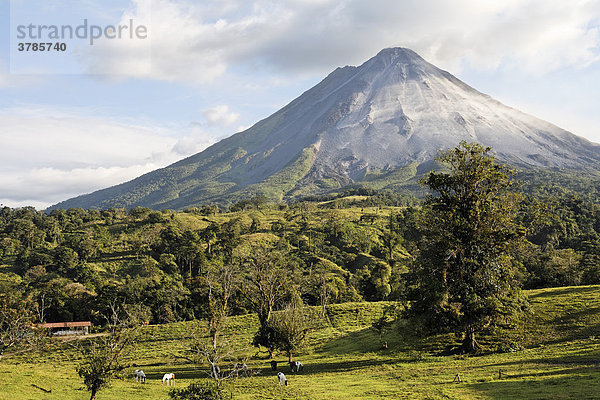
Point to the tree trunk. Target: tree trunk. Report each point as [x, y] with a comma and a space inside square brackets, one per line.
[469, 344]
[93, 397]
[290, 356]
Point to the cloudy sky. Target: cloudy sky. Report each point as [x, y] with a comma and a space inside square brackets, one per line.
[97, 115]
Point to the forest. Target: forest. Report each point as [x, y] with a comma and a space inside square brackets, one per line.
[72, 264]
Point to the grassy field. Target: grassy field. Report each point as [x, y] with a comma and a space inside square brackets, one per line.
[344, 360]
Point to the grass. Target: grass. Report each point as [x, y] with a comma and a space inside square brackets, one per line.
[344, 360]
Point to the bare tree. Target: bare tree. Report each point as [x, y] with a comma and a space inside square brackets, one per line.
[40, 308]
[218, 353]
[104, 357]
[209, 343]
[220, 284]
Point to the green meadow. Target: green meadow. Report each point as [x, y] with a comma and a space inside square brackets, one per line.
[554, 354]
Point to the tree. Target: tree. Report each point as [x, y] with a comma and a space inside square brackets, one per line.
[391, 238]
[385, 322]
[210, 345]
[465, 272]
[65, 260]
[267, 276]
[219, 284]
[16, 322]
[209, 236]
[259, 201]
[290, 326]
[326, 282]
[190, 252]
[104, 358]
[215, 351]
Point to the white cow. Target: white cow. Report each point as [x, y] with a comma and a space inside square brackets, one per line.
[282, 379]
[140, 376]
[169, 378]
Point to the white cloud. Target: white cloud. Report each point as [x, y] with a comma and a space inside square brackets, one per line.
[49, 185]
[37, 136]
[196, 140]
[198, 42]
[49, 155]
[220, 115]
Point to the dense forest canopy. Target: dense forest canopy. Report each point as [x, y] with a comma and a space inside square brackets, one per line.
[72, 264]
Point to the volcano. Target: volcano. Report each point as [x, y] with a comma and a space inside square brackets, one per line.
[378, 125]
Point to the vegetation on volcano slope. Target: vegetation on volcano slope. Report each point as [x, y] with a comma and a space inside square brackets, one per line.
[72, 263]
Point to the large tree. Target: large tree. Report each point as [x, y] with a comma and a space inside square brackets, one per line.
[290, 326]
[465, 271]
[267, 277]
[16, 320]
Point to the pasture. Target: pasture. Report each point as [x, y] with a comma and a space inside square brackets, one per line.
[343, 359]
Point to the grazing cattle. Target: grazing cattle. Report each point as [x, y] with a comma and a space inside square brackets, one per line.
[140, 376]
[273, 365]
[169, 378]
[296, 366]
[282, 379]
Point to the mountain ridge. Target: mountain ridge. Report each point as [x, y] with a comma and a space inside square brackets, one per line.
[357, 124]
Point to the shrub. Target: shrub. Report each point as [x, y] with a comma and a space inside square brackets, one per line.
[198, 391]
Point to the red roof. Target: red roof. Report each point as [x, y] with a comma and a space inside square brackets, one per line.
[74, 324]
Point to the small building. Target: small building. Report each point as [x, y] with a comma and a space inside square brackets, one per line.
[67, 328]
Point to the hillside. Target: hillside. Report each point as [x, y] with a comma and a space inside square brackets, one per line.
[360, 245]
[343, 359]
[377, 125]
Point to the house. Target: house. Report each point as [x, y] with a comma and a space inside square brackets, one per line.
[67, 328]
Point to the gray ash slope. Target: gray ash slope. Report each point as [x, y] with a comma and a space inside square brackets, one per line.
[375, 123]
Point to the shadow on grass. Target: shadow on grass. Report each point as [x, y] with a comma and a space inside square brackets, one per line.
[584, 359]
[575, 383]
[571, 290]
[363, 340]
[399, 339]
[180, 372]
[569, 331]
[334, 366]
[312, 368]
[577, 316]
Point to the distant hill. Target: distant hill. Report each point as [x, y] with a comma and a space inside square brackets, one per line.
[378, 125]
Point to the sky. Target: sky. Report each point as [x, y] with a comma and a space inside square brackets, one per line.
[109, 109]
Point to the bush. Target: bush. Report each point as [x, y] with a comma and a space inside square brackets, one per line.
[198, 391]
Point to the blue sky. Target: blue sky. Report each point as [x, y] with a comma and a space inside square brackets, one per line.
[96, 116]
